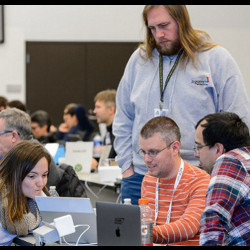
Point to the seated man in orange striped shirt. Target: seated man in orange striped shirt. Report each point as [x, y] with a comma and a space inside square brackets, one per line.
[176, 189]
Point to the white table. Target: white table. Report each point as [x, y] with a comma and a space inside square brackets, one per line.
[96, 179]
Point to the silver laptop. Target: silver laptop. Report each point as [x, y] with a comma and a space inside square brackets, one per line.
[118, 224]
[105, 154]
[79, 208]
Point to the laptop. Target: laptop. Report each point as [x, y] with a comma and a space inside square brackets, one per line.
[56, 150]
[105, 154]
[81, 211]
[118, 224]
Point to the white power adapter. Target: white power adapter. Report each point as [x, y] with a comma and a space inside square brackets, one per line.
[64, 225]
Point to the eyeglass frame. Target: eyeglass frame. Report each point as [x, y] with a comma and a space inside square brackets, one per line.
[142, 153]
[197, 147]
[6, 132]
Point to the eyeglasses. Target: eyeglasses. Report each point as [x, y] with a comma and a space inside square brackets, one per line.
[152, 153]
[197, 148]
[6, 132]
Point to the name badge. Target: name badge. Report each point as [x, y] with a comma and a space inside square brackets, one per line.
[164, 112]
[160, 112]
[157, 112]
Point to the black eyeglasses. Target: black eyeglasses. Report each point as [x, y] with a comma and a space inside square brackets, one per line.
[152, 153]
[197, 148]
[6, 132]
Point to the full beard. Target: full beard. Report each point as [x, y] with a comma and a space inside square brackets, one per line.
[169, 50]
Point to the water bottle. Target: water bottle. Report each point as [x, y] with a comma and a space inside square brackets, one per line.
[53, 192]
[127, 201]
[146, 223]
[97, 149]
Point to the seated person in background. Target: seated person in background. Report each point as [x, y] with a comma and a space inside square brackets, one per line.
[76, 126]
[41, 127]
[223, 147]
[3, 103]
[176, 190]
[17, 104]
[15, 126]
[23, 175]
[105, 111]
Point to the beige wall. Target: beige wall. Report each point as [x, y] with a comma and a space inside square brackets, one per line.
[228, 25]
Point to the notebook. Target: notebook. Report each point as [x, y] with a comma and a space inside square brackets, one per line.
[79, 208]
[118, 224]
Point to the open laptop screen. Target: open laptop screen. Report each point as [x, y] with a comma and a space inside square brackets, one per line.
[56, 150]
[79, 208]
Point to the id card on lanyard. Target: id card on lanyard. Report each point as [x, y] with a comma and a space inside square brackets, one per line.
[160, 112]
[177, 180]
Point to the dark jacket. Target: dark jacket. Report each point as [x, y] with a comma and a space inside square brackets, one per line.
[69, 184]
[112, 153]
[82, 131]
[84, 123]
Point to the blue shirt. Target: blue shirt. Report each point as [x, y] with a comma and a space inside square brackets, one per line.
[5, 237]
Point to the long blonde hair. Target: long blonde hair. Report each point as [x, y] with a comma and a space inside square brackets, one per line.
[192, 40]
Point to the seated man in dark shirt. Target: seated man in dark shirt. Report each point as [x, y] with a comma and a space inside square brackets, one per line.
[105, 106]
[42, 128]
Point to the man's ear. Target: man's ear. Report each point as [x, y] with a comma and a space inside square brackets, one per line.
[176, 146]
[112, 109]
[15, 136]
[219, 148]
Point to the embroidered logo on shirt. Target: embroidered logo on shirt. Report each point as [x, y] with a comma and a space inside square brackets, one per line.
[202, 82]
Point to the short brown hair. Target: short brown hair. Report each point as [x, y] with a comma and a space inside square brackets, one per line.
[107, 96]
[3, 102]
[165, 126]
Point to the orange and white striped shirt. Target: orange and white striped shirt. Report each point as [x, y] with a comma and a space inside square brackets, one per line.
[188, 204]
